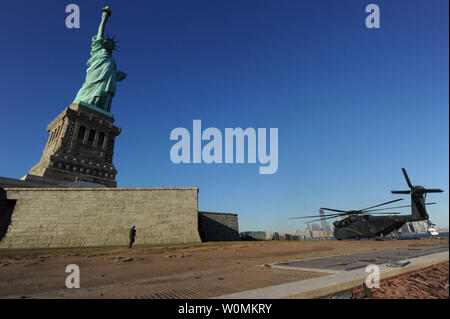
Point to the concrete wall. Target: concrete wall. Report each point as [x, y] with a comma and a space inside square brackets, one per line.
[77, 217]
[218, 226]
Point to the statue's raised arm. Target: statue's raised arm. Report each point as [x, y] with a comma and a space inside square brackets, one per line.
[106, 13]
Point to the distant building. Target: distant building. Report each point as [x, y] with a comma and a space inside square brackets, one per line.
[291, 237]
[320, 234]
[307, 233]
[300, 234]
[323, 222]
[253, 235]
[329, 230]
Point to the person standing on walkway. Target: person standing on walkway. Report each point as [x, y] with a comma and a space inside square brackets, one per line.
[132, 236]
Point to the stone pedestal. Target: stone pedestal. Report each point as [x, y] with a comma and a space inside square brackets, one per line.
[80, 147]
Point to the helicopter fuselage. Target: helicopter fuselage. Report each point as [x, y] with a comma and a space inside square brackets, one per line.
[369, 226]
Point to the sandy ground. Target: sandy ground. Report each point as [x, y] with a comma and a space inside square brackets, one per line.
[200, 270]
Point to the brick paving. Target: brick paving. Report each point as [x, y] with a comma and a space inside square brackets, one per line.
[426, 283]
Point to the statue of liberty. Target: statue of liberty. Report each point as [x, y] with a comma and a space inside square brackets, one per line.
[101, 75]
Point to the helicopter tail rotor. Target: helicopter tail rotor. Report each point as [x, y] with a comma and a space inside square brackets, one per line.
[416, 190]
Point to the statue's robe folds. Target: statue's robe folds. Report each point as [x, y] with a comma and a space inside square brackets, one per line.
[101, 77]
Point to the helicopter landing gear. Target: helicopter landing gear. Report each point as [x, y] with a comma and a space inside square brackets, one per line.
[357, 238]
[380, 237]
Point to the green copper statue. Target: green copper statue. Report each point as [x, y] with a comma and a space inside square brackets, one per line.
[101, 75]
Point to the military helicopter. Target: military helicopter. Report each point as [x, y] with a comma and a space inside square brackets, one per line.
[362, 224]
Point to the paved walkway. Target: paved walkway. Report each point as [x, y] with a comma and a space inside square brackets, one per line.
[362, 260]
[341, 279]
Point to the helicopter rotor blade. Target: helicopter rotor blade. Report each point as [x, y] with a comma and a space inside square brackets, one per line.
[313, 216]
[407, 178]
[401, 192]
[374, 210]
[392, 201]
[334, 210]
[385, 213]
[365, 213]
[316, 216]
[318, 220]
[389, 213]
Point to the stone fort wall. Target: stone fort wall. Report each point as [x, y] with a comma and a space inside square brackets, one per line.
[218, 226]
[78, 217]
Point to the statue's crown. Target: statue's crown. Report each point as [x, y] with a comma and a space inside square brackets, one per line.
[112, 41]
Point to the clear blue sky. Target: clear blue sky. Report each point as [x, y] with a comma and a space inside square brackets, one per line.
[352, 105]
